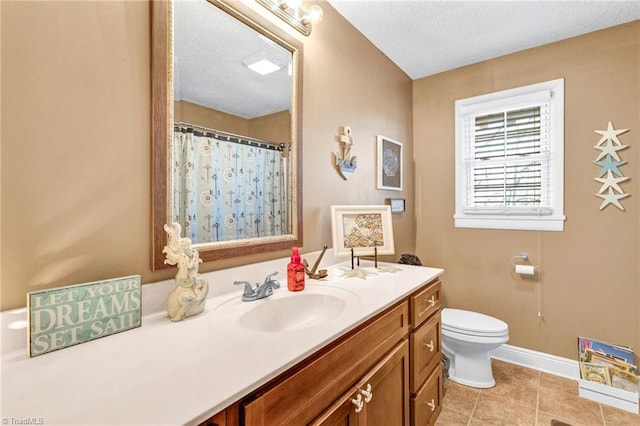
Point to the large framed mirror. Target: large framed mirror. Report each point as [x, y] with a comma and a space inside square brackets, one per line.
[226, 139]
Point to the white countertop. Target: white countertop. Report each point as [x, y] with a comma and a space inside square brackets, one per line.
[184, 372]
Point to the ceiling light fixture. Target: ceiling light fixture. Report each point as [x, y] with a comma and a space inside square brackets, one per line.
[263, 67]
[262, 64]
[292, 13]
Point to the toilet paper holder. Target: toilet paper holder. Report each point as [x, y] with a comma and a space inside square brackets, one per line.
[523, 256]
[521, 268]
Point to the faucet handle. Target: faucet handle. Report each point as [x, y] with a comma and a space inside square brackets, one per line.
[248, 290]
[274, 283]
[270, 275]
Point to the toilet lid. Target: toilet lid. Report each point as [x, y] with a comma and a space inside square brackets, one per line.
[468, 322]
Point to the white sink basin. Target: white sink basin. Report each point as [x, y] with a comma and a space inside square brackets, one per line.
[291, 313]
[287, 311]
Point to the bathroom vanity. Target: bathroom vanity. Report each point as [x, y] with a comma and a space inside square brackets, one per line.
[365, 349]
[386, 371]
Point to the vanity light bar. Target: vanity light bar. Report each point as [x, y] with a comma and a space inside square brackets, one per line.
[294, 16]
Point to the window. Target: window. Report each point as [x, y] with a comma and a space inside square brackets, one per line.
[509, 159]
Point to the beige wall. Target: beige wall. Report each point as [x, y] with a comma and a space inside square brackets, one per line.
[75, 144]
[197, 114]
[589, 276]
[274, 127]
[76, 196]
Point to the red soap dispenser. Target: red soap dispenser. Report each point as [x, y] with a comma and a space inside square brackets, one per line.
[295, 271]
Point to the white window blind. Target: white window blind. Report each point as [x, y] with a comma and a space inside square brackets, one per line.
[509, 159]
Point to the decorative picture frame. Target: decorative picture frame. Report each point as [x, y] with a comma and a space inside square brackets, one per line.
[390, 164]
[362, 228]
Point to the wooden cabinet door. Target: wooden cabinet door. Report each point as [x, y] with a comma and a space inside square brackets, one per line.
[343, 412]
[385, 390]
[381, 397]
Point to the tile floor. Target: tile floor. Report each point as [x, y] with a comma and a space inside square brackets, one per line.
[526, 397]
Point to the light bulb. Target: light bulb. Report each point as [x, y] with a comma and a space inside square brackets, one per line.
[314, 14]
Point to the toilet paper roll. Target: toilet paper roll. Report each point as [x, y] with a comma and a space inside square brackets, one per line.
[525, 269]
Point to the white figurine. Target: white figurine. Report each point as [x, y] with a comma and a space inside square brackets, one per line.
[189, 296]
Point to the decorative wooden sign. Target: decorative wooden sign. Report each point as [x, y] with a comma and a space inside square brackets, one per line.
[344, 161]
[67, 316]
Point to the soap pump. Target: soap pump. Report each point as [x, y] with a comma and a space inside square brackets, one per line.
[295, 271]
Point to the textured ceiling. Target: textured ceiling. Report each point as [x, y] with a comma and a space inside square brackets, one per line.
[425, 37]
[422, 37]
[209, 49]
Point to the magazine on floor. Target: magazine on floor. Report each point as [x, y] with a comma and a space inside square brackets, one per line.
[607, 364]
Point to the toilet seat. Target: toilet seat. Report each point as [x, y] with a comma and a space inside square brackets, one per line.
[472, 323]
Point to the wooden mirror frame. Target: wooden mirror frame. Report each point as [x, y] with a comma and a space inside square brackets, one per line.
[162, 125]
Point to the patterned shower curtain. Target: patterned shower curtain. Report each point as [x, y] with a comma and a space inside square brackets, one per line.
[226, 190]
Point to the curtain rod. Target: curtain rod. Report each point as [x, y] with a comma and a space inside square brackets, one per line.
[240, 138]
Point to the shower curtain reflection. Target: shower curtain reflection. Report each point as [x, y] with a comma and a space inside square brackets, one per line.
[226, 188]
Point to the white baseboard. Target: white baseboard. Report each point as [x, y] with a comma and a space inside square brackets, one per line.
[569, 369]
[541, 361]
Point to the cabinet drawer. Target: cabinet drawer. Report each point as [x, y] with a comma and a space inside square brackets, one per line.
[426, 351]
[427, 403]
[425, 302]
[300, 396]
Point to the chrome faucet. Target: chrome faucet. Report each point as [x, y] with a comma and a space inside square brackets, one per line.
[261, 290]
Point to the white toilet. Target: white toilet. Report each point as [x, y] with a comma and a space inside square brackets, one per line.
[467, 339]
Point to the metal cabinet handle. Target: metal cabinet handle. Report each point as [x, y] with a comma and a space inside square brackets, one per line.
[358, 402]
[368, 395]
[431, 404]
[430, 345]
[431, 301]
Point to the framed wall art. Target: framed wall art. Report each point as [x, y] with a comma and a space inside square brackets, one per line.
[361, 228]
[389, 164]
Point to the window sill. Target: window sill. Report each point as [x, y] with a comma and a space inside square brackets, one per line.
[519, 223]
